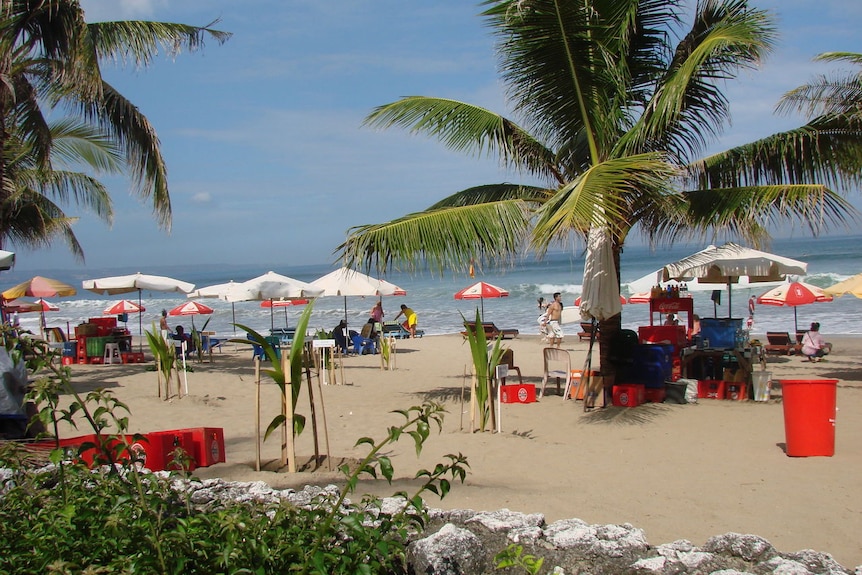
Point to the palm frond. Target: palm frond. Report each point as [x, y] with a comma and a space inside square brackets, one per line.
[139, 41]
[599, 197]
[822, 152]
[447, 237]
[494, 193]
[466, 128]
[747, 212]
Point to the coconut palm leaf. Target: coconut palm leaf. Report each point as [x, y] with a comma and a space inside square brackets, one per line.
[441, 238]
[835, 95]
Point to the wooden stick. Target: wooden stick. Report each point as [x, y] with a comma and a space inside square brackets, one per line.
[463, 385]
[325, 427]
[313, 416]
[472, 401]
[288, 405]
[257, 413]
[159, 375]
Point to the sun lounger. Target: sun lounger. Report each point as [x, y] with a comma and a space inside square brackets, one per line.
[586, 330]
[491, 330]
[780, 343]
[396, 330]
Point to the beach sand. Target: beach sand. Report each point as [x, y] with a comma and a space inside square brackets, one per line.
[676, 471]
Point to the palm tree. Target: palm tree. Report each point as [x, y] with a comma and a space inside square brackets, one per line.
[838, 96]
[614, 116]
[50, 60]
[29, 211]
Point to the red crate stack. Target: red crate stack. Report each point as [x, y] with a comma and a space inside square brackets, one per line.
[711, 389]
[160, 449]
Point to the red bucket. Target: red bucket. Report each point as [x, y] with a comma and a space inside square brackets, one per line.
[809, 416]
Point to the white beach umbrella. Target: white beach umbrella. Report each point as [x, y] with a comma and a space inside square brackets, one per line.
[221, 291]
[347, 282]
[271, 285]
[727, 263]
[7, 260]
[136, 282]
[600, 297]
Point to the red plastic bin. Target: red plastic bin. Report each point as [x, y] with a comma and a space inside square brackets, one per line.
[159, 449]
[809, 416]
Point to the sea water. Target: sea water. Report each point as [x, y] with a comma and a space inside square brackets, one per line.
[829, 259]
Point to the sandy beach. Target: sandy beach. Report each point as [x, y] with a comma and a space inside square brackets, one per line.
[676, 471]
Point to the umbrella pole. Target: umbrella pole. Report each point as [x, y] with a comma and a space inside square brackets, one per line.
[271, 317]
[140, 325]
[729, 300]
[795, 321]
[345, 309]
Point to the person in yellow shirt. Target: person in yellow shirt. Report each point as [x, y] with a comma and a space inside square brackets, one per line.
[410, 319]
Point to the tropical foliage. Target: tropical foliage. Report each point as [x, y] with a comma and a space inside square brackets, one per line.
[485, 359]
[50, 66]
[617, 102]
[120, 518]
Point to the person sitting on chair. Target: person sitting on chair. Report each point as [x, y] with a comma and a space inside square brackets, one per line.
[181, 336]
[339, 334]
[813, 346]
[369, 332]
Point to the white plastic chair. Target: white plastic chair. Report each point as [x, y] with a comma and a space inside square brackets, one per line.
[558, 364]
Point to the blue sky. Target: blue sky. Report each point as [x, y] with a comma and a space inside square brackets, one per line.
[268, 162]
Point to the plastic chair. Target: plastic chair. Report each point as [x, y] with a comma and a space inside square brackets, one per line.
[558, 363]
[362, 345]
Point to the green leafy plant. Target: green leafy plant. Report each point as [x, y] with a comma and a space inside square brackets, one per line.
[197, 340]
[514, 556]
[484, 361]
[277, 374]
[120, 519]
[164, 353]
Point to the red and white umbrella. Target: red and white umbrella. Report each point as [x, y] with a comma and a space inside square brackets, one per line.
[622, 301]
[640, 297]
[480, 291]
[794, 294]
[191, 308]
[283, 303]
[124, 306]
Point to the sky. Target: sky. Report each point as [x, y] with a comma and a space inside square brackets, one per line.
[268, 160]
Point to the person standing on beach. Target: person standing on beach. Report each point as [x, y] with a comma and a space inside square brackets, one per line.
[377, 312]
[410, 319]
[555, 313]
[163, 324]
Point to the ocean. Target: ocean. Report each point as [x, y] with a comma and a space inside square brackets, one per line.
[830, 259]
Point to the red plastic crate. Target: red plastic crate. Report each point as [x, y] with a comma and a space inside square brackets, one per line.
[736, 391]
[629, 395]
[654, 395]
[72, 447]
[208, 445]
[159, 447]
[68, 360]
[518, 393]
[711, 389]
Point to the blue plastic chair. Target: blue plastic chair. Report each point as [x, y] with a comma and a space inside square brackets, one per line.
[362, 345]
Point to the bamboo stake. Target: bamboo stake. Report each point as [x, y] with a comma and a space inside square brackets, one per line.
[288, 421]
[313, 416]
[159, 375]
[472, 401]
[325, 427]
[257, 413]
[463, 385]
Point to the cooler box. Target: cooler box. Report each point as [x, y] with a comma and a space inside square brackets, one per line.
[159, 449]
[208, 445]
[518, 393]
[575, 393]
[674, 335]
[70, 348]
[628, 395]
[721, 332]
[711, 389]
[96, 346]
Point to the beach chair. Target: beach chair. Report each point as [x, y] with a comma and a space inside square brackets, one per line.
[362, 345]
[557, 364]
[508, 359]
[398, 331]
[491, 330]
[586, 330]
[780, 343]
